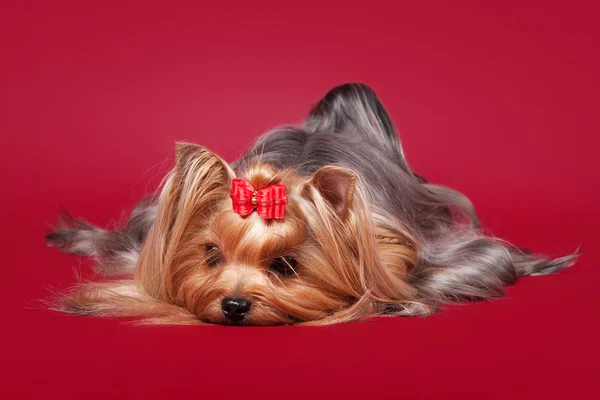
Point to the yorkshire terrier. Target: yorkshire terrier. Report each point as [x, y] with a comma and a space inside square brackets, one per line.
[318, 224]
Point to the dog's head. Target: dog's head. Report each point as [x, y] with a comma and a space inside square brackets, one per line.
[316, 260]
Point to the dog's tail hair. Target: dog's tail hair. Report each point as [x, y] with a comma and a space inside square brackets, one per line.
[355, 107]
[116, 251]
[352, 106]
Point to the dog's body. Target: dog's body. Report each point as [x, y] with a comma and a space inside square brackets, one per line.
[362, 234]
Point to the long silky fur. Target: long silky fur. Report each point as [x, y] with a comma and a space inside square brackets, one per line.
[419, 244]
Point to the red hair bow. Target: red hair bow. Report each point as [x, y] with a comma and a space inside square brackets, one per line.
[269, 202]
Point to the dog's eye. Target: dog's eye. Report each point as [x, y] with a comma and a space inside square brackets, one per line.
[213, 256]
[284, 266]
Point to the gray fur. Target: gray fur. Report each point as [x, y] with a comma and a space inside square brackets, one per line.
[349, 127]
[117, 251]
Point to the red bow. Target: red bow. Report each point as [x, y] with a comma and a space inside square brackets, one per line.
[269, 202]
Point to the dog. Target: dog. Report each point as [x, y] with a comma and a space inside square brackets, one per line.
[316, 224]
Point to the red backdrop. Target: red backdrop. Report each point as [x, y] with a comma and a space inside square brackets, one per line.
[500, 102]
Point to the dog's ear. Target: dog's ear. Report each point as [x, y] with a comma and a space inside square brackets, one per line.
[189, 156]
[199, 181]
[185, 152]
[199, 176]
[335, 185]
[355, 256]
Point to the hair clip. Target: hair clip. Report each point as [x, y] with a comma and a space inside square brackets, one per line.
[269, 202]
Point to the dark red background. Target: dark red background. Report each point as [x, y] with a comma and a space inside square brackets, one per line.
[500, 102]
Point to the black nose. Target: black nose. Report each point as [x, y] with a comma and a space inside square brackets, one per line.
[235, 308]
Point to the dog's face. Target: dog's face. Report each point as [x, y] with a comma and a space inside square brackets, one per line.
[318, 262]
[246, 270]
